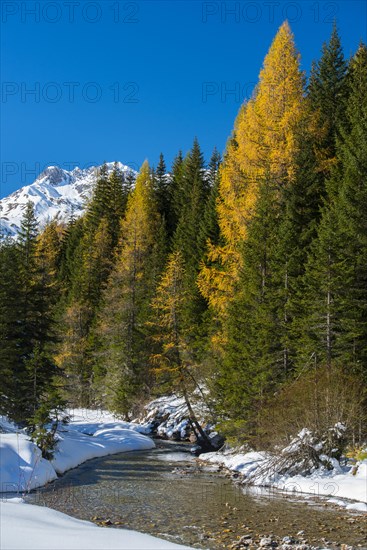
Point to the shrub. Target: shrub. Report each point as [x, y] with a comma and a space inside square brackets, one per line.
[317, 400]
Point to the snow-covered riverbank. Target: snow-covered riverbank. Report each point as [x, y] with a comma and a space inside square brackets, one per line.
[344, 486]
[90, 434]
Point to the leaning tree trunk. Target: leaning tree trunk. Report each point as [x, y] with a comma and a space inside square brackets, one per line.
[195, 423]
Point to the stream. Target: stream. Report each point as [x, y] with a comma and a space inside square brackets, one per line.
[166, 493]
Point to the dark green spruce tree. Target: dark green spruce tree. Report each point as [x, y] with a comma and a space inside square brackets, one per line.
[26, 323]
[209, 227]
[11, 365]
[328, 92]
[162, 184]
[191, 200]
[335, 299]
[176, 191]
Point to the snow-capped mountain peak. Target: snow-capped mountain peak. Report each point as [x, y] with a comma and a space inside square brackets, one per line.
[56, 193]
[54, 175]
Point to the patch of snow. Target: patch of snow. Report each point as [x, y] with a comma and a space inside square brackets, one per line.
[6, 425]
[358, 506]
[244, 463]
[74, 447]
[89, 420]
[28, 527]
[22, 467]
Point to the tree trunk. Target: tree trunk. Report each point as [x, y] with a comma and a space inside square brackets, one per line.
[195, 423]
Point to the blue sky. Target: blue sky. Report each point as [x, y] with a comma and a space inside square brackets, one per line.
[116, 80]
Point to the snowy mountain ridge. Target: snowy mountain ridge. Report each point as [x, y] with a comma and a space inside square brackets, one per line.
[56, 194]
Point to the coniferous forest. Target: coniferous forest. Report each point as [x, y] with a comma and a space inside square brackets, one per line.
[243, 275]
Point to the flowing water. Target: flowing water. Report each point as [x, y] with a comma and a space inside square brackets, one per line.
[166, 493]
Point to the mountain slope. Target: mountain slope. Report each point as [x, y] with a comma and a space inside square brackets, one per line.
[56, 193]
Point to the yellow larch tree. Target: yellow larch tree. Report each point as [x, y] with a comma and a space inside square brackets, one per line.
[263, 146]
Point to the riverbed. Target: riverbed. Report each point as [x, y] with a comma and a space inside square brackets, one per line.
[166, 493]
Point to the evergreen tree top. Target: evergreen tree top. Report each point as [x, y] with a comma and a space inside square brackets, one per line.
[358, 72]
[328, 73]
[177, 161]
[29, 225]
[161, 168]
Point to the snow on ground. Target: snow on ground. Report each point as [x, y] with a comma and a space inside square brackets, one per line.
[90, 420]
[28, 527]
[338, 484]
[22, 467]
[90, 434]
[73, 447]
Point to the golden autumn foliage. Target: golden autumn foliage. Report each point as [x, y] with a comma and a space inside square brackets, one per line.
[141, 215]
[263, 147]
[47, 253]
